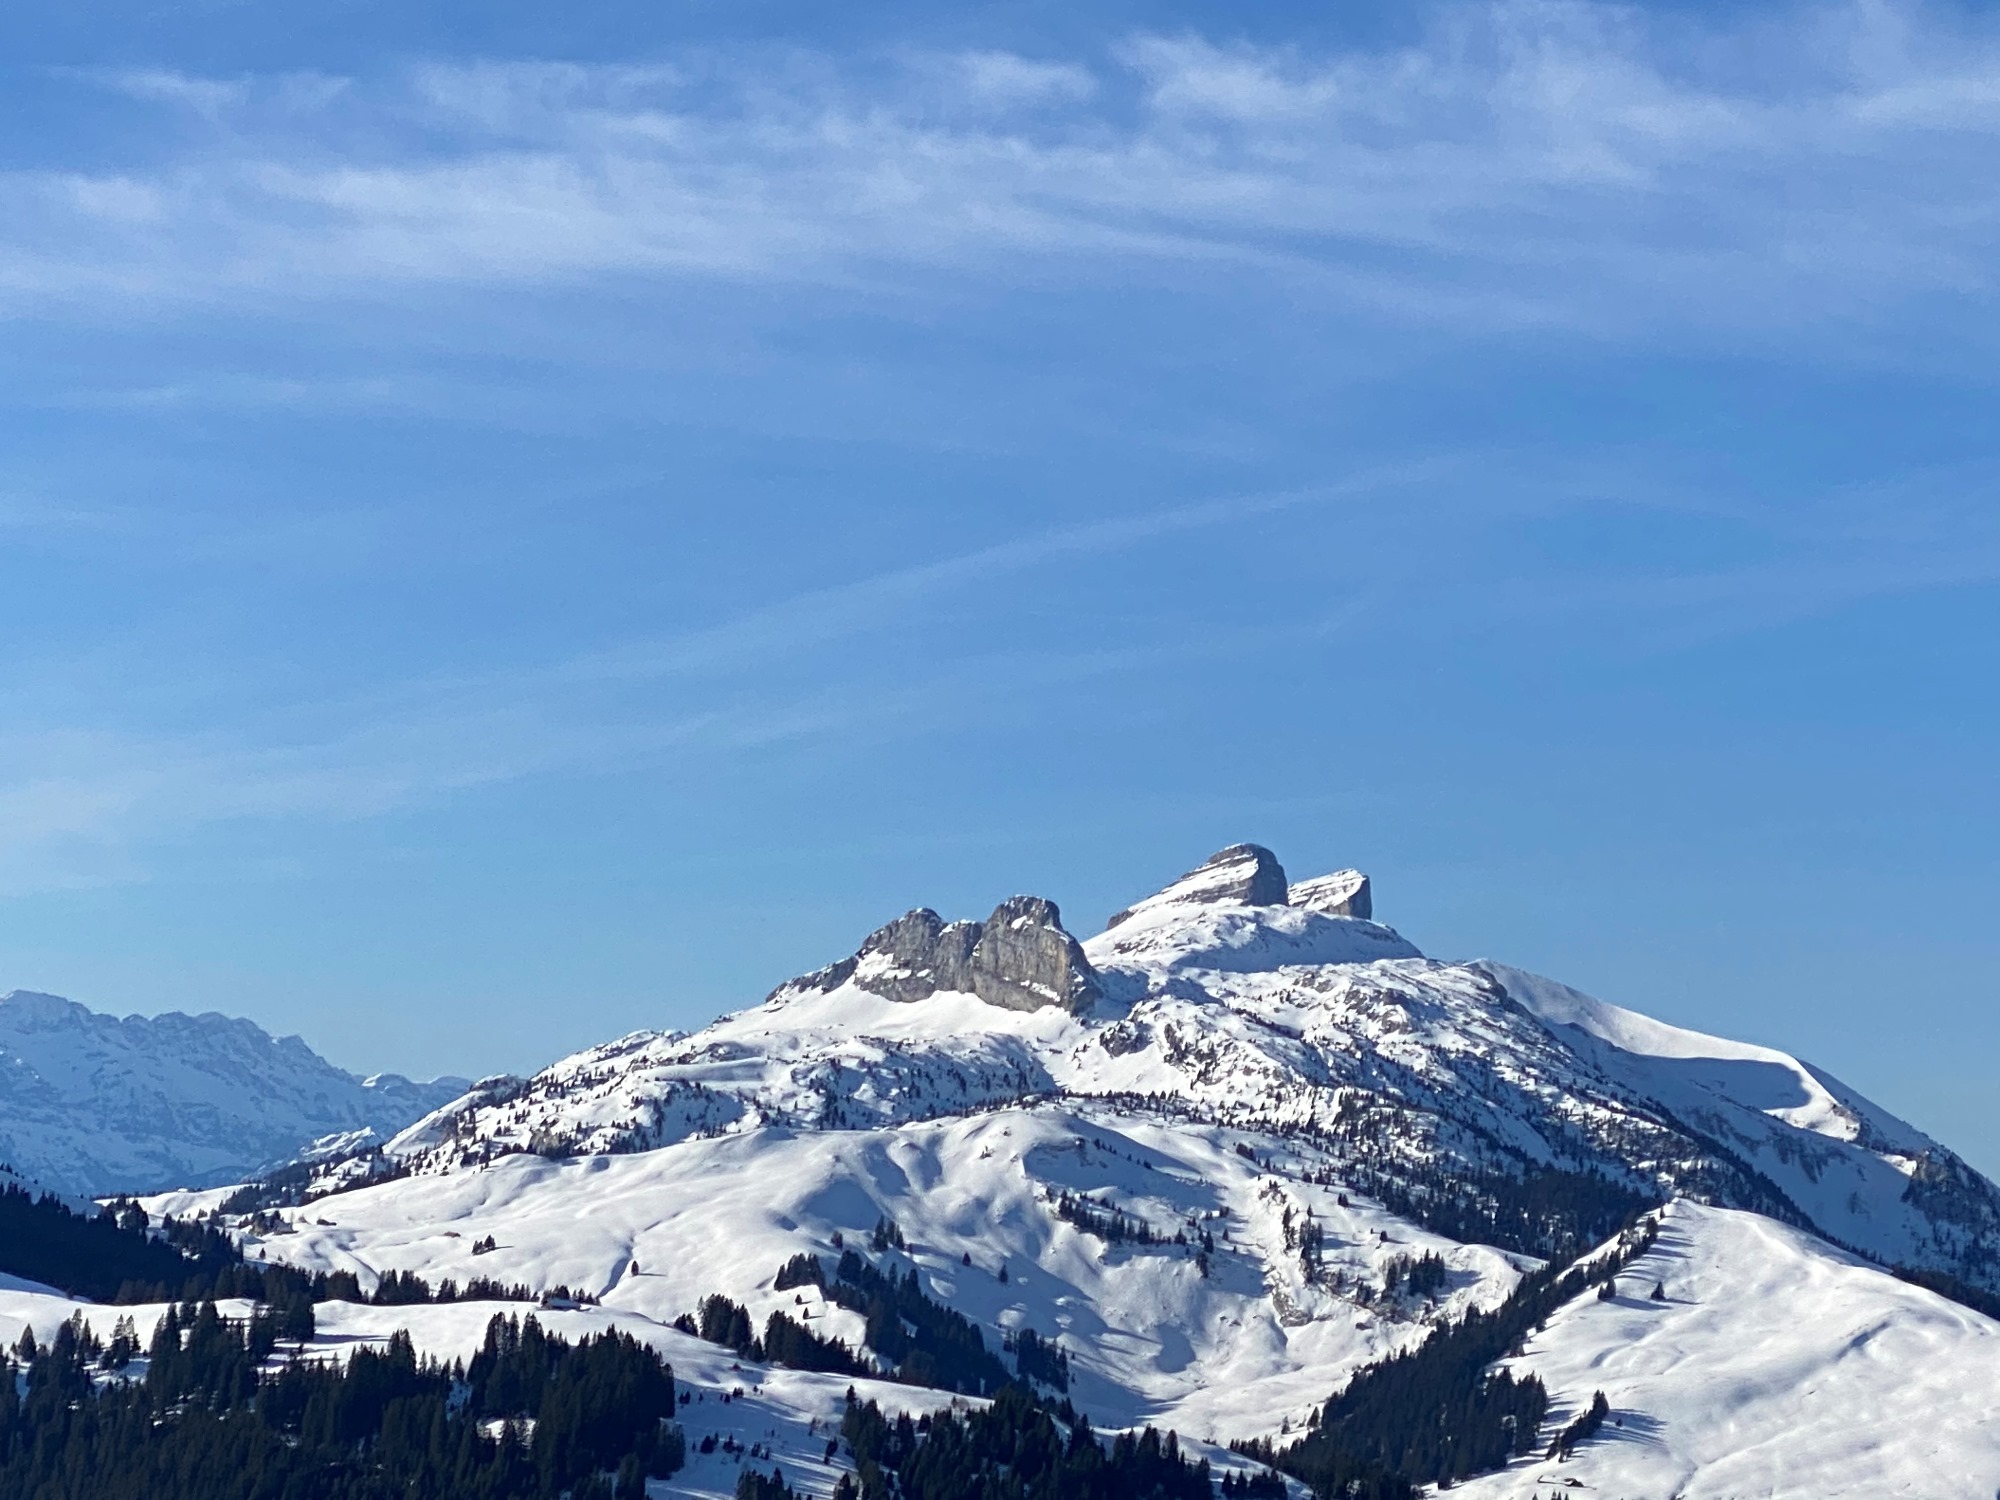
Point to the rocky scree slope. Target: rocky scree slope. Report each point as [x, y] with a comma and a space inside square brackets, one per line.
[1489, 1104]
[92, 1105]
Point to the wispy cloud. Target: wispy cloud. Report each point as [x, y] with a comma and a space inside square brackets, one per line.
[77, 804]
[1549, 166]
[1526, 163]
[857, 605]
[80, 806]
[83, 806]
[210, 98]
[221, 100]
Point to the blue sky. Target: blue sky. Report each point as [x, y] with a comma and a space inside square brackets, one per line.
[521, 523]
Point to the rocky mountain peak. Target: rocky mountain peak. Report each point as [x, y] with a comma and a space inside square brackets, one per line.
[1024, 959]
[26, 1010]
[1344, 893]
[1020, 958]
[1245, 873]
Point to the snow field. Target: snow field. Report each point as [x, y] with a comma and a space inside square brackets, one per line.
[1778, 1368]
[1150, 1340]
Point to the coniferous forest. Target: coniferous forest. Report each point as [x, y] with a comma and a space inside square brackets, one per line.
[1439, 1413]
[204, 1422]
[109, 1256]
[1014, 1449]
[924, 1342]
[113, 1256]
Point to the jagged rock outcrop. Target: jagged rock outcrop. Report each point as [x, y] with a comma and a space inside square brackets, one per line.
[1025, 960]
[1248, 873]
[901, 961]
[1345, 893]
[1020, 958]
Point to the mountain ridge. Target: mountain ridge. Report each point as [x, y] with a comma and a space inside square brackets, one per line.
[1433, 1080]
[93, 1104]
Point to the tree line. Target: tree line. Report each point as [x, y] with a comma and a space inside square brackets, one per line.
[917, 1340]
[1015, 1448]
[1437, 1413]
[116, 1256]
[529, 1417]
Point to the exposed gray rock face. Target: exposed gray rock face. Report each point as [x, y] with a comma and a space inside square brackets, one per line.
[1248, 873]
[1020, 958]
[952, 960]
[1025, 960]
[899, 961]
[832, 977]
[1345, 893]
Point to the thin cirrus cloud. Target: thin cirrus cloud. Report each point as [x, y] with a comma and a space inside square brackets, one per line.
[74, 803]
[1546, 166]
[78, 806]
[81, 809]
[1543, 165]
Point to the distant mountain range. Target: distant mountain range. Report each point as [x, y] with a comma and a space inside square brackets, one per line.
[92, 1104]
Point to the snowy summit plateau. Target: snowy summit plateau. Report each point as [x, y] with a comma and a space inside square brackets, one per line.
[1205, 1171]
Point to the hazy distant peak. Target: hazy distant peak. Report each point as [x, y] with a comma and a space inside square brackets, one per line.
[93, 1104]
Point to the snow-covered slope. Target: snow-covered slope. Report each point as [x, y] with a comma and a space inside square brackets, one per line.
[1852, 1169]
[1776, 1366]
[1258, 1340]
[91, 1104]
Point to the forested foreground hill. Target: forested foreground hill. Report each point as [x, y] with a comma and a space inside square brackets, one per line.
[215, 1404]
[243, 1399]
[211, 1414]
[272, 1392]
[1700, 1307]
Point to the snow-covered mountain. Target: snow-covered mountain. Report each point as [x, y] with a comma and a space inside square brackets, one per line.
[1283, 1106]
[1219, 1000]
[92, 1104]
